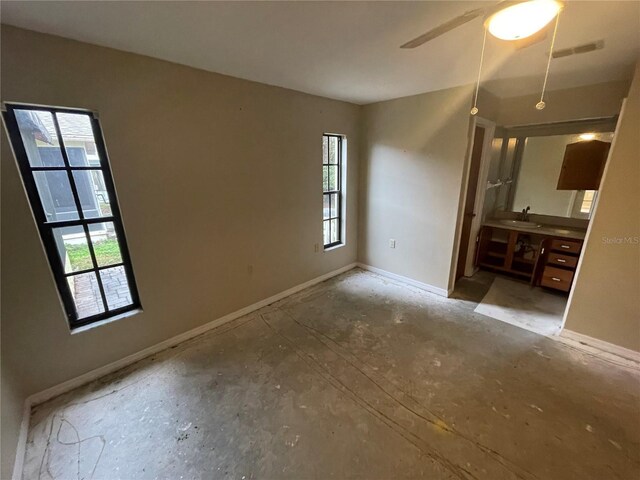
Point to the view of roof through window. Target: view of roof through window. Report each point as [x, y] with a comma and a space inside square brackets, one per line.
[76, 131]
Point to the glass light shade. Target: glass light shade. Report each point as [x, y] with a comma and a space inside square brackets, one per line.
[522, 19]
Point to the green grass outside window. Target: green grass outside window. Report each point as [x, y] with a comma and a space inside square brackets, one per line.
[107, 253]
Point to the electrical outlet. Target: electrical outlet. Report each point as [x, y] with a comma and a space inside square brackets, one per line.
[392, 243]
[316, 247]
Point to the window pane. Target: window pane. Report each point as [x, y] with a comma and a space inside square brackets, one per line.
[116, 287]
[333, 177]
[78, 139]
[326, 208]
[73, 248]
[39, 138]
[587, 201]
[325, 179]
[327, 232]
[334, 230]
[334, 205]
[105, 244]
[333, 150]
[86, 294]
[56, 196]
[325, 150]
[92, 191]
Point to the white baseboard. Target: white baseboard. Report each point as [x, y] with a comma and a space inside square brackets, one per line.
[415, 283]
[21, 447]
[64, 387]
[607, 350]
[76, 382]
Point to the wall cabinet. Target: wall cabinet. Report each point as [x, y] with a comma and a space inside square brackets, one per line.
[583, 165]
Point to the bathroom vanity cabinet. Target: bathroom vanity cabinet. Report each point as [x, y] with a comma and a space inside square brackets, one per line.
[534, 255]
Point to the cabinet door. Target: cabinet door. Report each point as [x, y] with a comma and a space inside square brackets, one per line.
[541, 260]
[583, 165]
[482, 245]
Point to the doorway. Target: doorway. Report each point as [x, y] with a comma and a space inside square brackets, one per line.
[470, 200]
[483, 131]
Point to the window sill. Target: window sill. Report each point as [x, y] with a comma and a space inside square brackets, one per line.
[334, 247]
[100, 323]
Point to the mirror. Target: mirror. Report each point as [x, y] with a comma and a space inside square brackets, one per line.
[538, 173]
[527, 163]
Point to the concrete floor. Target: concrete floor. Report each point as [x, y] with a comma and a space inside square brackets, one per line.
[358, 377]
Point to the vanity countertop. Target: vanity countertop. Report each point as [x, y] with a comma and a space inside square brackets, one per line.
[551, 230]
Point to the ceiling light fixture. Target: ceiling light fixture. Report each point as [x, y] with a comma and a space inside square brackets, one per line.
[511, 20]
[521, 19]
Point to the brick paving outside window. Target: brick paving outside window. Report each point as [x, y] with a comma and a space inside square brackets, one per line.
[87, 292]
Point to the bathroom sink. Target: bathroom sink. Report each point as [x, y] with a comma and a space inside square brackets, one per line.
[520, 223]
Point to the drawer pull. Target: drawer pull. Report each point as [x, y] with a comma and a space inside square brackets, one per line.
[565, 246]
[556, 279]
[561, 260]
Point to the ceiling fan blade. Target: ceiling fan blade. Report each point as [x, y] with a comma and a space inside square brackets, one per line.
[444, 28]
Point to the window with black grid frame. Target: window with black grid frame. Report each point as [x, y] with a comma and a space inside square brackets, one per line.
[332, 181]
[63, 162]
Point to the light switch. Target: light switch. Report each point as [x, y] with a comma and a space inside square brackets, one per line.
[392, 243]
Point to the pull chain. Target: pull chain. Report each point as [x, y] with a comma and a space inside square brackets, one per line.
[540, 105]
[474, 110]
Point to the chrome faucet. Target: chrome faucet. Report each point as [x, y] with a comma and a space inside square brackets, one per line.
[524, 215]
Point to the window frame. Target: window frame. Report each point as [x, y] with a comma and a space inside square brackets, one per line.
[46, 227]
[339, 191]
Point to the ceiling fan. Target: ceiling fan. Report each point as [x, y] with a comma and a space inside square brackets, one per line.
[518, 21]
[521, 21]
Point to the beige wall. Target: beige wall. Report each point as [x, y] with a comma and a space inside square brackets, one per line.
[414, 150]
[213, 174]
[12, 398]
[605, 303]
[488, 105]
[592, 101]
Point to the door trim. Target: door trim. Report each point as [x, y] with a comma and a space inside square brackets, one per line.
[489, 127]
[485, 162]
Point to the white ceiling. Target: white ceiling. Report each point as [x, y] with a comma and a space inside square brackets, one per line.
[344, 50]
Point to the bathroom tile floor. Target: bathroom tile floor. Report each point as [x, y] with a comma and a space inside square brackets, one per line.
[519, 304]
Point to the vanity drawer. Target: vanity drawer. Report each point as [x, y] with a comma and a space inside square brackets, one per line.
[562, 260]
[557, 278]
[566, 246]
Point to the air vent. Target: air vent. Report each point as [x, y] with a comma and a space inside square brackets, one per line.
[587, 47]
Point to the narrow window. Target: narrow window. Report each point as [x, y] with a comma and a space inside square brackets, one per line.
[65, 170]
[588, 200]
[332, 181]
